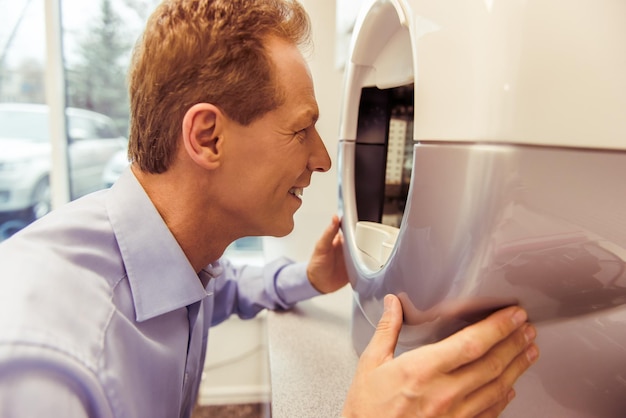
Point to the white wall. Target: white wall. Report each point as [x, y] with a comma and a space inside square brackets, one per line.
[320, 199]
[236, 370]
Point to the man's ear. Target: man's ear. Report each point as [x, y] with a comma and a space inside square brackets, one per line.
[202, 134]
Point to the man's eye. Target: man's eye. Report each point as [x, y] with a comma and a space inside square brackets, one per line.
[300, 134]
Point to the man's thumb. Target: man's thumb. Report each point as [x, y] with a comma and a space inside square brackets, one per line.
[383, 343]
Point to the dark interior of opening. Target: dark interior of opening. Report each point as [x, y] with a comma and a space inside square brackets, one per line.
[384, 153]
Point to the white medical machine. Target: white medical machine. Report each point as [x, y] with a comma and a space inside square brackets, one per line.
[482, 164]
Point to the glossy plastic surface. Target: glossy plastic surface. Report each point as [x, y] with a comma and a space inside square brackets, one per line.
[489, 226]
[516, 71]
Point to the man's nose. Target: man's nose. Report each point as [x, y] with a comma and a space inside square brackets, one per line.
[319, 160]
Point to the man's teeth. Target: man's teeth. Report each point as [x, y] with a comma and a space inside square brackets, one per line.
[296, 191]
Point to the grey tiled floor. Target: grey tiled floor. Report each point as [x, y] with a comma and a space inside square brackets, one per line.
[233, 411]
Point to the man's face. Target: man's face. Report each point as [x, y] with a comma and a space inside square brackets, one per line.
[270, 161]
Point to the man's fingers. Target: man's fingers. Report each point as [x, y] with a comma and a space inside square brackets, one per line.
[470, 373]
[382, 345]
[496, 409]
[494, 363]
[338, 240]
[474, 341]
[490, 379]
[499, 358]
[329, 234]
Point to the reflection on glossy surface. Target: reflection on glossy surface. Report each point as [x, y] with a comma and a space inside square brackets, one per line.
[487, 226]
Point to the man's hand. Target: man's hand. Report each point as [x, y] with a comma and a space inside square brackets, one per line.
[327, 268]
[469, 374]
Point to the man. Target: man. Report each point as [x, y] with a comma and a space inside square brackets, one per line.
[105, 303]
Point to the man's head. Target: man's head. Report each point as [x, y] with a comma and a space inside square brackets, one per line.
[205, 51]
[255, 174]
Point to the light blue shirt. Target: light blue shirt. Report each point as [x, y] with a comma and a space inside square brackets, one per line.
[97, 301]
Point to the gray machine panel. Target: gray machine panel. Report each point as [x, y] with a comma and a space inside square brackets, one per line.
[489, 225]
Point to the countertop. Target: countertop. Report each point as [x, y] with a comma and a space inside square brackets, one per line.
[312, 360]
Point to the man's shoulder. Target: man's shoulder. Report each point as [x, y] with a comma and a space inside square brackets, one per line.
[77, 236]
[57, 279]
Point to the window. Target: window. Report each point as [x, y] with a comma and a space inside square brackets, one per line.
[97, 39]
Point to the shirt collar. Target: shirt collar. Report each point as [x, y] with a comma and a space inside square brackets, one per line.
[160, 275]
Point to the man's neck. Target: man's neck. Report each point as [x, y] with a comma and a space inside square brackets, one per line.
[199, 234]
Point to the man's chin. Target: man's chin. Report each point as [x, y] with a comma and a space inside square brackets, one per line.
[282, 230]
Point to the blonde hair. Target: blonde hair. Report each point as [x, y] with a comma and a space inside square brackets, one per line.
[205, 51]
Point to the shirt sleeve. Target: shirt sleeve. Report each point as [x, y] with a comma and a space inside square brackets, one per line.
[39, 395]
[38, 382]
[246, 290]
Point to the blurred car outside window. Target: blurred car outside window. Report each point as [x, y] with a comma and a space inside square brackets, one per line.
[25, 159]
